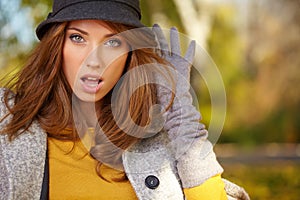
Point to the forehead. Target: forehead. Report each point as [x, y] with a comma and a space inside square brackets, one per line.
[92, 25]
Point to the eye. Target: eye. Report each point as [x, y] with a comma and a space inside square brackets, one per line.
[77, 38]
[114, 42]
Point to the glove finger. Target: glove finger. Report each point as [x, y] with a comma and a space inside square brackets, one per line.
[161, 38]
[190, 53]
[174, 42]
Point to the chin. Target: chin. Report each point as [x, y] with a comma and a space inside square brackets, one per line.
[86, 97]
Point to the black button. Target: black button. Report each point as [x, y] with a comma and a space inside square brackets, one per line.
[152, 182]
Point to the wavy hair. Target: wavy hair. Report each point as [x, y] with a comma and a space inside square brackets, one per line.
[41, 89]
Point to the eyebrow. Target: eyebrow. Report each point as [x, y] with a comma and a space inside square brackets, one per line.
[86, 33]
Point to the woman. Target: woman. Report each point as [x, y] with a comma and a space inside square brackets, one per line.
[81, 122]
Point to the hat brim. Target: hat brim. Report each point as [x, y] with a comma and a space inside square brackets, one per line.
[100, 10]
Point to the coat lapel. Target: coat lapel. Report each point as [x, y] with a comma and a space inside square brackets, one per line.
[24, 160]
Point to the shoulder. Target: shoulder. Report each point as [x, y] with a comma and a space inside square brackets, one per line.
[35, 134]
[3, 104]
[153, 154]
[157, 141]
[7, 100]
[3, 93]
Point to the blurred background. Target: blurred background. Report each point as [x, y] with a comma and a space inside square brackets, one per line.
[256, 46]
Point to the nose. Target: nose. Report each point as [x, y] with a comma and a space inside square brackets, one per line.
[94, 58]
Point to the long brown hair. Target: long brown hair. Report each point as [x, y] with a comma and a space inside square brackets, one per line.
[42, 92]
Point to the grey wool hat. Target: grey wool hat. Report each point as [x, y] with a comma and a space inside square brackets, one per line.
[121, 11]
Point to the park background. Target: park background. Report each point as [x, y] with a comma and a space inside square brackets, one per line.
[256, 46]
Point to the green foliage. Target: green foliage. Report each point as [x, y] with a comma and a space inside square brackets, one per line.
[261, 72]
[225, 44]
[276, 181]
[151, 8]
[39, 9]
[146, 17]
[170, 10]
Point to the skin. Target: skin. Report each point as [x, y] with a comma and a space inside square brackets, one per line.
[94, 58]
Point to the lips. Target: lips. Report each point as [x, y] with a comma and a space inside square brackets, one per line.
[91, 83]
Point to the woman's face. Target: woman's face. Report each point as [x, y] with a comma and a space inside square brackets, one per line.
[94, 58]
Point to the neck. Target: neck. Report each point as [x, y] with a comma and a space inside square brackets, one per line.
[86, 112]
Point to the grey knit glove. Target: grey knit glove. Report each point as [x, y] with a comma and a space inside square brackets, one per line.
[196, 161]
[182, 120]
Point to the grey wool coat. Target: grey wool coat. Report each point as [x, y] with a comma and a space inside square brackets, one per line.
[23, 167]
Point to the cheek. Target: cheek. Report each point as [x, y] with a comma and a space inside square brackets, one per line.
[119, 65]
[71, 65]
[115, 70]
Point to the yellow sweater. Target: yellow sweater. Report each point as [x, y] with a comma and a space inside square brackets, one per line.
[73, 176]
